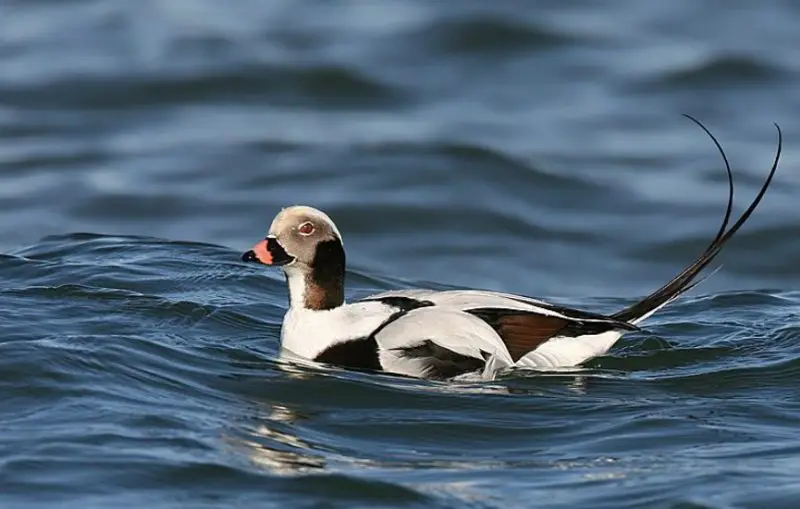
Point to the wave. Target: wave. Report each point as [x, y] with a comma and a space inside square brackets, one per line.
[718, 71]
[323, 86]
[488, 35]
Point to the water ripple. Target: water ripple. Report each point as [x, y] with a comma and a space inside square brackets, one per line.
[488, 36]
[732, 70]
[531, 149]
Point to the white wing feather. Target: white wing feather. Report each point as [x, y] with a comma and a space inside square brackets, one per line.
[448, 328]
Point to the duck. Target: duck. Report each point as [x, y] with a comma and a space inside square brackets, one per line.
[447, 334]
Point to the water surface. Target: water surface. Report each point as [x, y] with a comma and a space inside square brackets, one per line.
[530, 149]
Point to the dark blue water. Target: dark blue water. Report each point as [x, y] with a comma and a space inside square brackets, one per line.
[526, 147]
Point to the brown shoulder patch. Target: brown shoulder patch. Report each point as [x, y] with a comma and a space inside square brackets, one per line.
[524, 331]
[521, 332]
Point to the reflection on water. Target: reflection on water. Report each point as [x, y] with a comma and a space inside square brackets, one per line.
[272, 445]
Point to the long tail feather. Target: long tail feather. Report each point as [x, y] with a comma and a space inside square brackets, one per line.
[685, 281]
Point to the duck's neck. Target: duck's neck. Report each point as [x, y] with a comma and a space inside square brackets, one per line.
[320, 286]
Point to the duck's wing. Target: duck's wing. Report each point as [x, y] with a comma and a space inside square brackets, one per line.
[521, 322]
[436, 342]
[444, 332]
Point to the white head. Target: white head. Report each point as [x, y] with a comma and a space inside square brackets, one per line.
[305, 242]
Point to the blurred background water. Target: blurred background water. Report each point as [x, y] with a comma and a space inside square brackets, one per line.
[530, 147]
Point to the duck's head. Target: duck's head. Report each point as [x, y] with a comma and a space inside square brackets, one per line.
[305, 242]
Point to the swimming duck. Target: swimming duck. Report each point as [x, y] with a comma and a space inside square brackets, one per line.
[444, 334]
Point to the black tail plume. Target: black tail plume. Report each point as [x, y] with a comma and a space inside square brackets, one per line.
[685, 281]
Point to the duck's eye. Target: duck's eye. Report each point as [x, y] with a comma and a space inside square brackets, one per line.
[306, 228]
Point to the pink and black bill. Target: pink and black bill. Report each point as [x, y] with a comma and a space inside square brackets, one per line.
[268, 252]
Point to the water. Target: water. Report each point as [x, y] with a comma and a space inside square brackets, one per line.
[531, 149]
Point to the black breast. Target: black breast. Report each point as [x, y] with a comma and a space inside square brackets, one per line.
[360, 353]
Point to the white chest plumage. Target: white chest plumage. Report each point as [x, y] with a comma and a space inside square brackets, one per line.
[308, 332]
